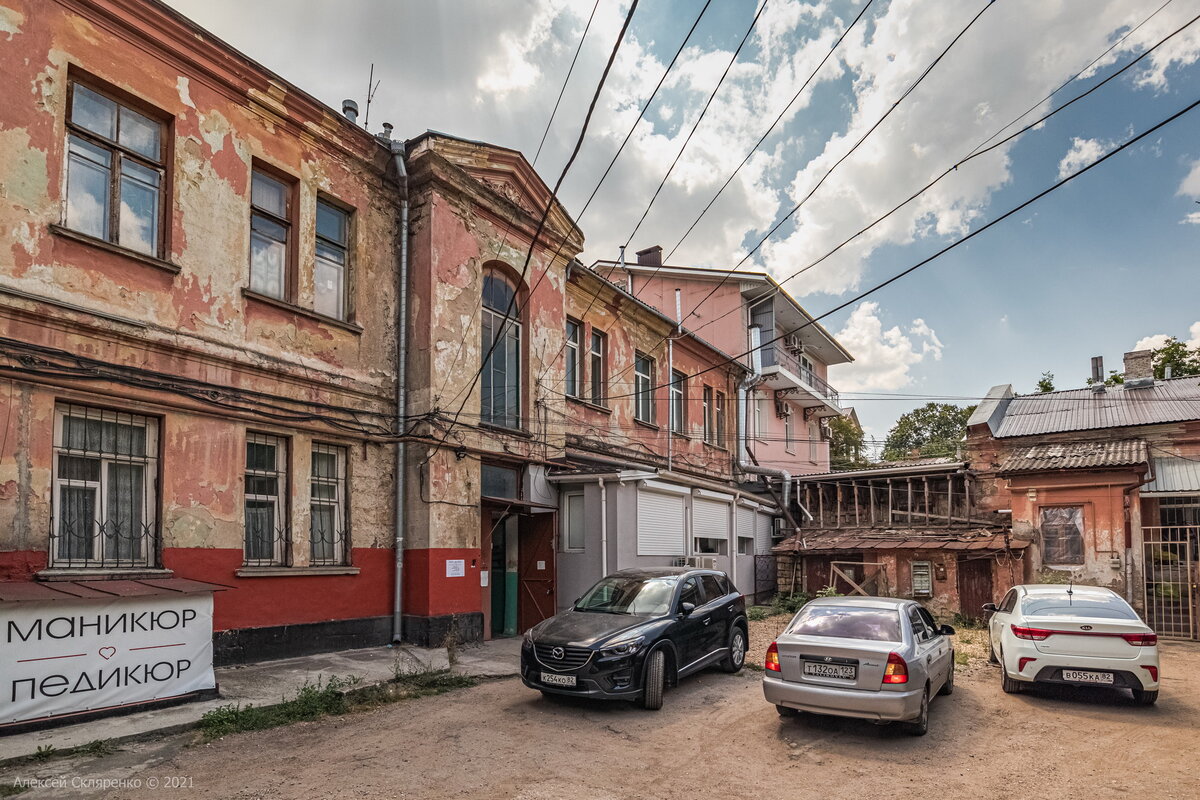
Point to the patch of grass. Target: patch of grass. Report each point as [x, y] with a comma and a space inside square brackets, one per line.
[966, 623]
[312, 701]
[754, 667]
[757, 613]
[961, 659]
[12, 790]
[45, 752]
[789, 603]
[98, 747]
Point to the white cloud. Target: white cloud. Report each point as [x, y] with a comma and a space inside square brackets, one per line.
[1190, 187]
[1081, 153]
[883, 359]
[1191, 219]
[1159, 339]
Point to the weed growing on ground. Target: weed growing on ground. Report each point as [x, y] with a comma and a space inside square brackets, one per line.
[961, 659]
[789, 603]
[12, 790]
[98, 747]
[311, 701]
[45, 752]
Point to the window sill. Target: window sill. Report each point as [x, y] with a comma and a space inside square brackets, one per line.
[491, 426]
[716, 446]
[645, 424]
[116, 249]
[683, 436]
[589, 404]
[308, 313]
[102, 573]
[285, 572]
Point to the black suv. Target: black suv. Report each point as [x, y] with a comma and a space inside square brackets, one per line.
[636, 632]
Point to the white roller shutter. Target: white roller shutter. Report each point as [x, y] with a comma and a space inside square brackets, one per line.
[660, 524]
[710, 518]
[762, 541]
[746, 524]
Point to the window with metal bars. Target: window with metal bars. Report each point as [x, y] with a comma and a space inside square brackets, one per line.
[328, 518]
[115, 172]
[267, 532]
[105, 489]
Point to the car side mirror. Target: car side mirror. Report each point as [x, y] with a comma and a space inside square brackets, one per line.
[946, 630]
[686, 608]
[990, 607]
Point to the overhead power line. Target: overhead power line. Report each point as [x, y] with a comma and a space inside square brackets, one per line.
[956, 243]
[546, 213]
[567, 80]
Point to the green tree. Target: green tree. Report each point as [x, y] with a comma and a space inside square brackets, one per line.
[1184, 361]
[1046, 384]
[845, 444]
[1114, 378]
[934, 429]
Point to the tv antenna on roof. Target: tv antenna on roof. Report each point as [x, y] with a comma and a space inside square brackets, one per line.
[372, 87]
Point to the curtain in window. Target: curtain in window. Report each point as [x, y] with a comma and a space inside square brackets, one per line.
[76, 522]
[123, 528]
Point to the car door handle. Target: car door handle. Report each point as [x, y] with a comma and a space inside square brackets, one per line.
[731, 608]
[707, 620]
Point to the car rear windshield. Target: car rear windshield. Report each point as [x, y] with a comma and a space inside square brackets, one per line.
[1062, 604]
[847, 622]
[624, 595]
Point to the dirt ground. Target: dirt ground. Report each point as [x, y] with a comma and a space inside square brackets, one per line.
[715, 737]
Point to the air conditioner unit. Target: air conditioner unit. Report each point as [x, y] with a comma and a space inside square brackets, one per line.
[792, 342]
[702, 562]
[783, 408]
[680, 562]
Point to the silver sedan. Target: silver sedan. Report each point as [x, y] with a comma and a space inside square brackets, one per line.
[875, 658]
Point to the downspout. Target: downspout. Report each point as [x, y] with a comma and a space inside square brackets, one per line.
[1127, 508]
[398, 153]
[671, 386]
[603, 529]
[744, 387]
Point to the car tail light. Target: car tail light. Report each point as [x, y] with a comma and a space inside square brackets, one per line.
[896, 670]
[1021, 662]
[1033, 634]
[1141, 639]
[1153, 672]
[773, 658]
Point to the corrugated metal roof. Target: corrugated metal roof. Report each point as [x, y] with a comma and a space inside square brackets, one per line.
[1076, 455]
[1174, 400]
[888, 466]
[38, 591]
[1173, 474]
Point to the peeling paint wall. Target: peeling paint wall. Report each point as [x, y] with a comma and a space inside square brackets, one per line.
[186, 315]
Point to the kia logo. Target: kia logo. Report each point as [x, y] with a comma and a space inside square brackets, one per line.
[1085, 627]
[558, 653]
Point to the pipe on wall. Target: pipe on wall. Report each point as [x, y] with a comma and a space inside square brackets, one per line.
[603, 529]
[743, 393]
[398, 154]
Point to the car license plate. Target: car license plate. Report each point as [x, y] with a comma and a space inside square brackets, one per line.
[1087, 677]
[558, 680]
[819, 670]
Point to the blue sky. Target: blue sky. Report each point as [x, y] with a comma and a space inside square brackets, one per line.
[1093, 269]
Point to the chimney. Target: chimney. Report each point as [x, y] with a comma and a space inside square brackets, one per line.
[1097, 373]
[1139, 369]
[650, 257]
[350, 110]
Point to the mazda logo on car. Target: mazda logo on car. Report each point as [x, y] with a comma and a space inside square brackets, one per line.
[558, 653]
[829, 658]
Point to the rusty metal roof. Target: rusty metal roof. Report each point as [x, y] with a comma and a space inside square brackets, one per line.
[991, 539]
[1076, 455]
[1174, 400]
[41, 591]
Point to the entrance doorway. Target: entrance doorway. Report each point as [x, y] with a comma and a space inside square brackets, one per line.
[517, 551]
[974, 587]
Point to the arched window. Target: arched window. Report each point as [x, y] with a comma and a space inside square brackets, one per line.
[501, 326]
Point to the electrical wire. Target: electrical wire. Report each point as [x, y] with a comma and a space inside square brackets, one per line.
[567, 80]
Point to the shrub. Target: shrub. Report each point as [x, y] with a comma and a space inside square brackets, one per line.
[790, 603]
[829, 591]
[756, 613]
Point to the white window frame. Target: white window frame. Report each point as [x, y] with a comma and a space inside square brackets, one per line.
[643, 398]
[340, 483]
[814, 441]
[678, 398]
[281, 538]
[789, 434]
[149, 463]
[568, 499]
[745, 545]
[573, 357]
[598, 367]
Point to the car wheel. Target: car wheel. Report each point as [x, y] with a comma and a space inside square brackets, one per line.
[656, 680]
[1009, 685]
[1145, 697]
[920, 725]
[786, 712]
[948, 686]
[737, 651]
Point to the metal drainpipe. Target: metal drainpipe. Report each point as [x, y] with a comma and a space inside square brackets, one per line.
[398, 154]
[748, 383]
[603, 529]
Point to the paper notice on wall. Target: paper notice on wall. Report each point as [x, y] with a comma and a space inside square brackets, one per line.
[456, 567]
[66, 656]
[483, 577]
[541, 565]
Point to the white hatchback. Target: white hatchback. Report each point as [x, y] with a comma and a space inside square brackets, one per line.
[1075, 635]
